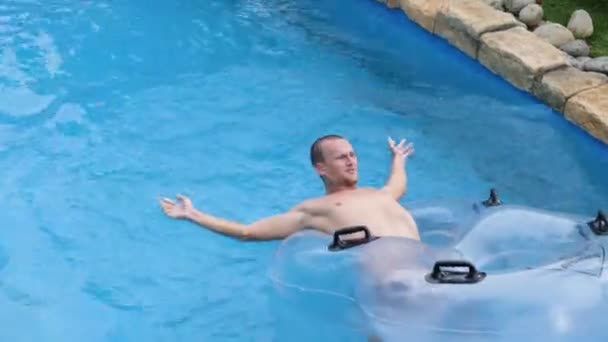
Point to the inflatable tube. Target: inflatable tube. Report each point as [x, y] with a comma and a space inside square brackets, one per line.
[489, 273]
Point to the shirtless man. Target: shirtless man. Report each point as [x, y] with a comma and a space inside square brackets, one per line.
[343, 205]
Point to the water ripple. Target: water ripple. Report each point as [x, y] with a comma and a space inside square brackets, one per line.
[118, 298]
[3, 258]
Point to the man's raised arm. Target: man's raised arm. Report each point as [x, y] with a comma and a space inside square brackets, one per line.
[396, 184]
[269, 228]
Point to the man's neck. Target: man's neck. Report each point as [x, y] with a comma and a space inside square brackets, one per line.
[339, 188]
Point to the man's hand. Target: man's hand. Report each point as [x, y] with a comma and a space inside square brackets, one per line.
[396, 184]
[399, 150]
[177, 210]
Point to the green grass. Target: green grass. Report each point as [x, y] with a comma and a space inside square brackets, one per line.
[559, 11]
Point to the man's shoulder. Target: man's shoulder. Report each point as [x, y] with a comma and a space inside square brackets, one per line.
[370, 189]
[311, 202]
[312, 205]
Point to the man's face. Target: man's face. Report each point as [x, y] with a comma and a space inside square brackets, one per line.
[340, 162]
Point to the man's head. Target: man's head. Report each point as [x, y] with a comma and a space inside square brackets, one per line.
[335, 161]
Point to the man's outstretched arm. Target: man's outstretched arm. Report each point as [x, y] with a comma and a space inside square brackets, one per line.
[269, 228]
[396, 184]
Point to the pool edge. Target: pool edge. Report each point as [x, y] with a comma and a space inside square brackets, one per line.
[504, 46]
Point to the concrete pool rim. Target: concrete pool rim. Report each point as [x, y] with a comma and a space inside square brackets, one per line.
[502, 44]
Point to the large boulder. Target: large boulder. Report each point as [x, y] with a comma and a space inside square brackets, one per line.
[581, 24]
[554, 33]
[515, 6]
[531, 15]
[576, 48]
[599, 64]
[577, 62]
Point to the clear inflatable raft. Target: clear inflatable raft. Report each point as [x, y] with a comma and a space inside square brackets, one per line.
[483, 271]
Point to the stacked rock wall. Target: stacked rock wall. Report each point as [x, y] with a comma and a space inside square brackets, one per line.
[510, 39]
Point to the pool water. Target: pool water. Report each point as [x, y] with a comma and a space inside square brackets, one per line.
[106, 106]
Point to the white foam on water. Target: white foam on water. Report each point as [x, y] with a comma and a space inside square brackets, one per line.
[9, 67]
[51, 56]
[22, 101]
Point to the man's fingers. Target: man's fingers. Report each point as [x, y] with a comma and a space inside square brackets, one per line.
[405, 150]
[167, 206]
[167, 201]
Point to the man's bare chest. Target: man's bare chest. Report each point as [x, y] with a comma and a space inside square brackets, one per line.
[352, 204]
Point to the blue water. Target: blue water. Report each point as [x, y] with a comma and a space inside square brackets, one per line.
[105, 106]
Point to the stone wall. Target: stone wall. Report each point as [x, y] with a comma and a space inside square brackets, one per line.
[504, 45]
